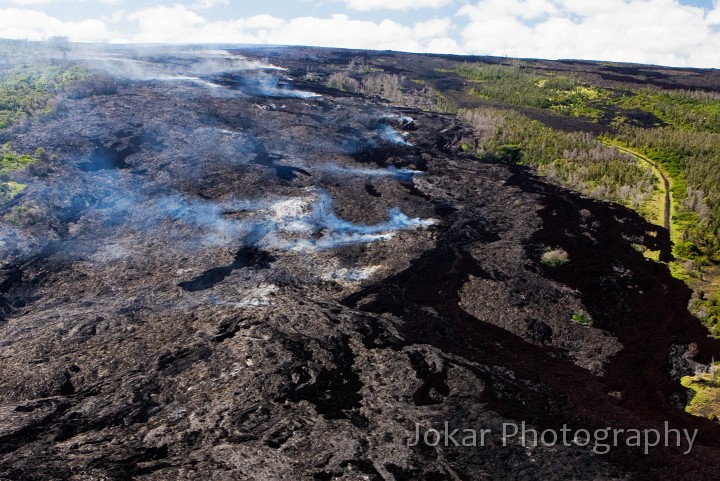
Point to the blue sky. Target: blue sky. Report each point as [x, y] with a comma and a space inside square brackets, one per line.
[666, 32]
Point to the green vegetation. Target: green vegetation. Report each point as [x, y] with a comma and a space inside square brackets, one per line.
[9, 190]
[28, 89]
[688, 110]
[708, 311]
[569, 95]
[582, 317]
[706, 402]
[686, 149]
[692, 161]
[576, 160]
[555, 258]
[12, 162]
[684, 145]
[654, 208]
[523, 86]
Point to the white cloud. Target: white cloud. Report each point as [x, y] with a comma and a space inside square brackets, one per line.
[714, 15]
[342, 31]
[443, 45]
[436, 27]
[37, 25]
[263, 22]
[643, 31]
[114, 17]
[179, 24]
[23, 3]
[29, 3]
[203, 4]
[370, 5]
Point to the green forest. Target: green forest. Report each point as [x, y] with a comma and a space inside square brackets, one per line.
[522, 86]
[28, 89]
[575, 160]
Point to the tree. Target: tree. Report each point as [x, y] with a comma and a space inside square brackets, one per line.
[60, 44]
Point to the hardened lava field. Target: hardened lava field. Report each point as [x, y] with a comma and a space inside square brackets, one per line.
[231, 271]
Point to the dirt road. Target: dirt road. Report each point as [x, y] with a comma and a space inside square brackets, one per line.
[666, 182]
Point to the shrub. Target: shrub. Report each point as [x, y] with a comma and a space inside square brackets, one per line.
[582, 317]
[26, 214]
[9, 190]
[12, 161]
[343, 81]
[95, 85]
[555, 258]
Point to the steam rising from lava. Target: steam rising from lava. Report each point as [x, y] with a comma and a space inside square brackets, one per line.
[404, 175]
[291, 224]
[298, 223]
[146, 64]
[107, 194]
[391, 135]
[264, 84]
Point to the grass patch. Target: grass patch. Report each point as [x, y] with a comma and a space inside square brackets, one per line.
[466, 147]
[706, 402]
[647, 253]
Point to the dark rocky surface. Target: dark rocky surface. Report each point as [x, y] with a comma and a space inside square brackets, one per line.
[242, 281]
